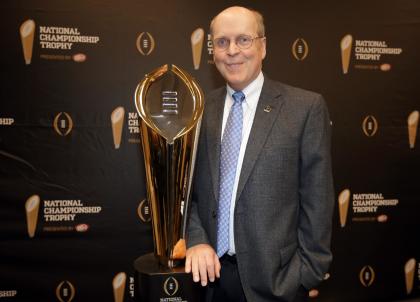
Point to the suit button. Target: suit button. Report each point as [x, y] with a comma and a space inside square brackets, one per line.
[214, 214]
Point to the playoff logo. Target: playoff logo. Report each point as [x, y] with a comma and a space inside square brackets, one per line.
[171, 286]
[63, 124]
[300, 49]
[145, 43]
[367, 276]
[65, 291]
[370, 126]
[143, 210]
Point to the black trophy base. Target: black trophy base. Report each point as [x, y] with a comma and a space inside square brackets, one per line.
[156, 283]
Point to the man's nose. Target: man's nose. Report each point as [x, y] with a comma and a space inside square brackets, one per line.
[233, 48]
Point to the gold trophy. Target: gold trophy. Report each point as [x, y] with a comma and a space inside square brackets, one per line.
[197, 39]
[117, 121]
[27, 32]
[170, 104]
[412, 123]
[118, 285]
[32, 209]
[409, 269]
[345, 45]
[343, 206]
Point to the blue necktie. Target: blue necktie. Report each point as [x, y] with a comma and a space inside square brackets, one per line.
[231, 144]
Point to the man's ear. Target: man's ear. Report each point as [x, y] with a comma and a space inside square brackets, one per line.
[263, 47]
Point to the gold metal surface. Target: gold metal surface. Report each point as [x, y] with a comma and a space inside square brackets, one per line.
[169, 156]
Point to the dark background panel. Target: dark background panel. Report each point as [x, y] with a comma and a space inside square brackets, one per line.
[84, 165]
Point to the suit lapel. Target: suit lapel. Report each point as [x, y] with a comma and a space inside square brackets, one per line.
[267, 111]
[214, 129]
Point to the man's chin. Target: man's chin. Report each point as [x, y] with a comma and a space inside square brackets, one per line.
[236, 85]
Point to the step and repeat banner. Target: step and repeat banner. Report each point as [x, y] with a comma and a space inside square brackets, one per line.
[73, 208]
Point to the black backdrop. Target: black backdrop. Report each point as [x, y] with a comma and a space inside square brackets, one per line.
[57, 143]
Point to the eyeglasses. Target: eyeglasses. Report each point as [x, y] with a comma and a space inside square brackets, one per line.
[242, 41]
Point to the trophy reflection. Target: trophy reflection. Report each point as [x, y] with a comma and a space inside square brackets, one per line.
[170, 104]
[117, 121]
[197, 39]
[27, 32]
[412, 122]
[118, 285]
[343, 206]
[409, 269]
[345, 45]
[32, 209]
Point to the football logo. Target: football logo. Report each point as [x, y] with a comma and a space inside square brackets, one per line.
[143, 211]
[171, 286]
[65, 291]
[300, 49]
[63, 124]
[370, 126]
[367, 276]
[145, 43]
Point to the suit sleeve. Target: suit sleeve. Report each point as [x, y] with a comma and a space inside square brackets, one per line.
[316, 194]
[196, 233]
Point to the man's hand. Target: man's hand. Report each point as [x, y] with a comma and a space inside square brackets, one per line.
[202, 260]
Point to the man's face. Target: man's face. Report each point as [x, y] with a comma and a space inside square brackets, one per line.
[238, 66]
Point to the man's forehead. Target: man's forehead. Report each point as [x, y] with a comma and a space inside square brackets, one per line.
[240, 23]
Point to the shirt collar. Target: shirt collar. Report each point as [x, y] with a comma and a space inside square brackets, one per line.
[250, 91]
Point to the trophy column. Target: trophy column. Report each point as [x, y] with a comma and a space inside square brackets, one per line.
[170, 104]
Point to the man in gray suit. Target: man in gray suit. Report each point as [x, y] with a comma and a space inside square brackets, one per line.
[262, 203]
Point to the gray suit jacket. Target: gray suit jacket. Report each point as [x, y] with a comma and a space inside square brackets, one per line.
[284, 203]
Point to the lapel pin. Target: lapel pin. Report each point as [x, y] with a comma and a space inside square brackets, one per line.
[267, 108]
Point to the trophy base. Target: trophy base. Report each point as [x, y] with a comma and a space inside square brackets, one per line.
[156, 283]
